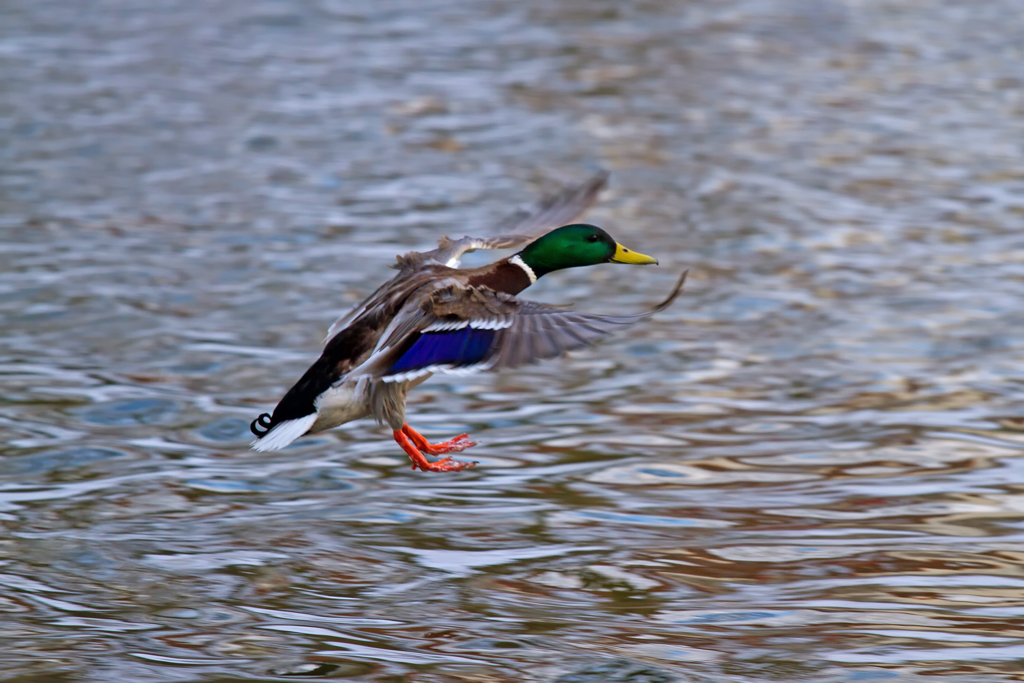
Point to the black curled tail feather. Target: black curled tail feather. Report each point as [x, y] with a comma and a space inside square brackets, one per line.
[264, 421]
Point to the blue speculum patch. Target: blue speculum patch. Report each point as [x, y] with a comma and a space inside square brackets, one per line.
[457, 348]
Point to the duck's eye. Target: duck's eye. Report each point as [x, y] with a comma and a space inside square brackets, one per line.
[593, 238]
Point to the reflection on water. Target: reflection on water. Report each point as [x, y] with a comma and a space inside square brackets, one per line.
[805, 470]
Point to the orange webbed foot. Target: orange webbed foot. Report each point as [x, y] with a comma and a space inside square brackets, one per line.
[415, 444]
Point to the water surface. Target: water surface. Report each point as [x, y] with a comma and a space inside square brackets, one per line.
[806, 470]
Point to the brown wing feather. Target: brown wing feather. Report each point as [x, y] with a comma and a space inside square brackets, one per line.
[552, 212]
[524, 226]
[525, 332]
[539, 332]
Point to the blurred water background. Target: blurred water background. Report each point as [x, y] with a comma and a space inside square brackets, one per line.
[809, 469]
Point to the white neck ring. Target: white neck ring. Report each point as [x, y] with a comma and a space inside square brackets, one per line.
[526, 269]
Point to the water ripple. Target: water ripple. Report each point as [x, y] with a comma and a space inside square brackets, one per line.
[807, 469]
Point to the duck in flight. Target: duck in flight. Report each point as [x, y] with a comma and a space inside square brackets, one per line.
[436, 317]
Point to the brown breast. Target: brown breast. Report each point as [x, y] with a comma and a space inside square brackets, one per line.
[501, 276]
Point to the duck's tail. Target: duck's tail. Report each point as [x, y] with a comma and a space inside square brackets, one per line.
[276, 436]
[261, 425]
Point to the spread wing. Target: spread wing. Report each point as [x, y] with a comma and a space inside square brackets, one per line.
[552, 212]
[461, 330]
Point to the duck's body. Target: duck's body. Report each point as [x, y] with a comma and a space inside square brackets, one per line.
[435, 317]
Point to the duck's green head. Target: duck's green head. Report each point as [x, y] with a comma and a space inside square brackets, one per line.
[577, 245]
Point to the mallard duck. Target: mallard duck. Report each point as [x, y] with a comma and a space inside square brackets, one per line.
[435, 317]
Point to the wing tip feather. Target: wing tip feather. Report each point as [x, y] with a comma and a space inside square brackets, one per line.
[675, 292]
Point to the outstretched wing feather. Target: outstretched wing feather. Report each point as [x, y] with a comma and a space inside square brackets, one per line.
[524, 226]
[539, 334]
[552, 212]
[531, 332]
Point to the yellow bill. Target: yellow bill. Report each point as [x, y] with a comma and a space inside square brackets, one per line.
[623, 255]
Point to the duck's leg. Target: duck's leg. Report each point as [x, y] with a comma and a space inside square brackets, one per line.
[420, 461]
[459, 443]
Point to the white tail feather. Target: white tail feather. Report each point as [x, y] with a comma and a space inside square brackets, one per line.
[284, 433]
